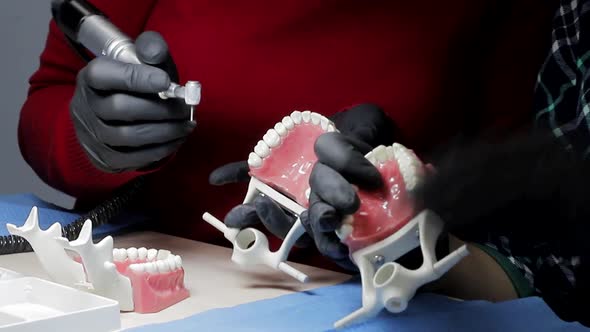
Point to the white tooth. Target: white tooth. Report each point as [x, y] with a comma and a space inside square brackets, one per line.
[281, 129]
[306, 116]
[296, 117]
[171, 263]
[178, 261]
[163, 254]
[137, 267]
[390, 153]
[151, 267]
[324, 122]
[262, 149]
[254, 160]
[288, 122]
[315, 118]
[151, 254]
[116, 254]
[348, 219]
[344, 231]
[371, 157]
[331, 128]
[132, 253]
[162, 266]
[122, 254]
[380, 153]
[142, 252]
[308, 193]
[272, 138]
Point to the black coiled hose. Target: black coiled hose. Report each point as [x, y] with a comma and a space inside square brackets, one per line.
[100, 215]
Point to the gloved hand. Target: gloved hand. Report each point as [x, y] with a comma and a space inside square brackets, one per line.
[120, 121]
[342, 164]
[341, 159]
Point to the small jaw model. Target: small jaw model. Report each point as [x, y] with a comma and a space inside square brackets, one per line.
[141, 280]
[386, 226]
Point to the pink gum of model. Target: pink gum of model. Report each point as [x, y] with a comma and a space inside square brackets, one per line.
[284, 160]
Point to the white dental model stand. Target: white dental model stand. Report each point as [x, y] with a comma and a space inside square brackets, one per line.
[251, 245]
[386, 284]
[98, 274]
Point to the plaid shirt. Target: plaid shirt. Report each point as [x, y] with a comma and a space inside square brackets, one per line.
[562, 97]
[562, 105]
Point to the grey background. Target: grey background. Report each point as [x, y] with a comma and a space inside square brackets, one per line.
[23, 30]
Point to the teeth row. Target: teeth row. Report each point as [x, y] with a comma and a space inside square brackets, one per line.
[171, 263]
[142, 253]
[409, 165]
[273, 136]
[408, 162]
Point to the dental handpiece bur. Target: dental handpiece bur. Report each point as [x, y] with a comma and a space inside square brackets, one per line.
[85, 25]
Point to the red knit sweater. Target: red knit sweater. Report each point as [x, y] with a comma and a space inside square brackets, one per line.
[436, 67]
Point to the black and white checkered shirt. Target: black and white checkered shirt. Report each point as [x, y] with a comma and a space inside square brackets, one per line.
[561, 105]
[562, 92]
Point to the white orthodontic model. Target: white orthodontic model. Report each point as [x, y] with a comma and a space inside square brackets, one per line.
[101, 275]
[385, 284]
[60, 267]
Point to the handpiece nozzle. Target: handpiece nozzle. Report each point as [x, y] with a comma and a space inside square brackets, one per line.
[190, 92]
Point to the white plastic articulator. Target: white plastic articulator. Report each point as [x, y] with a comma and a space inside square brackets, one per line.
[387, 284]
[250, 246]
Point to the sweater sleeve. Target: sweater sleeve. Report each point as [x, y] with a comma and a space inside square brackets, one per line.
[46, 135]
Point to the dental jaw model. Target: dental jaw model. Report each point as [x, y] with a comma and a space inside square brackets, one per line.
[289, 138]
[386, 226]
[141, 280]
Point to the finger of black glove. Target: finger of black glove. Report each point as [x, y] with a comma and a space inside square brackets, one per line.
[143, 134]
[323, 215]
[135, 108]
[276, 220]
[339, 153]
[230, 173]
[110, 160]
[367, 123]
[327, 243]
[152, 49]
[242, 216]
[106, 74]
[332, 188]
[346, 263]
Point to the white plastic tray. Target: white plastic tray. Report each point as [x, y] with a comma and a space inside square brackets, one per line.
[36, 305]
[8, 275]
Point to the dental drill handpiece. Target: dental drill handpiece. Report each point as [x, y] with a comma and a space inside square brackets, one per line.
[85, 25]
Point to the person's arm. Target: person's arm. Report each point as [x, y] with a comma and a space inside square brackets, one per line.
[46, 135]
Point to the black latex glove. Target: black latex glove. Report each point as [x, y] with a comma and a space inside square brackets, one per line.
[262, 211]
[341, 164]
[529, 189]
[120, 121]
[341, 157]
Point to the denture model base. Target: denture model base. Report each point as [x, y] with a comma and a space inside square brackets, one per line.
[141, 280]
[386, 226]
